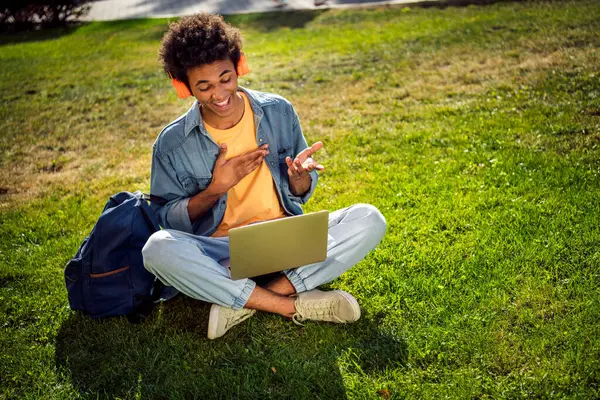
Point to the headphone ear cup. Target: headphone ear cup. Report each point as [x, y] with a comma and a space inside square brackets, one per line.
[242, 66]
[181, 88]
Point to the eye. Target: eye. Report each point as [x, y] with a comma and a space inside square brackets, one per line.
[226, 80]
[204, 88]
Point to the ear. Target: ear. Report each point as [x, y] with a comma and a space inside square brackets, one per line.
[242, 66]
[181, 88]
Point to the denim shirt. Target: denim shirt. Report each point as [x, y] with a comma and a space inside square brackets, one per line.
[184, 156]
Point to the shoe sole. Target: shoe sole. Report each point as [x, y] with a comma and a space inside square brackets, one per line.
[212, 321]
[353, 304]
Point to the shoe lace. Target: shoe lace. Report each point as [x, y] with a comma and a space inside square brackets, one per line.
[315, 309]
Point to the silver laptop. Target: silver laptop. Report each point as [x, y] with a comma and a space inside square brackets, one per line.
[277, 245]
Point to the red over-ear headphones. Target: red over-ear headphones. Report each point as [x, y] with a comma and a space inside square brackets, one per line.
[183, 91]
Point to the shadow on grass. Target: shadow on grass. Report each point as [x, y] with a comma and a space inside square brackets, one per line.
[37, 36]
[236, 12]
[169, 356]
[142, 29]
[273, 20]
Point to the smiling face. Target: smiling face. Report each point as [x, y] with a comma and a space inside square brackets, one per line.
[215, 87]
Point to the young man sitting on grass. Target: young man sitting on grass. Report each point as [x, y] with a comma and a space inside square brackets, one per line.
[238, 156]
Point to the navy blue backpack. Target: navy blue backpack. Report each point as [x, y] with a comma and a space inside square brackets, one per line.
[107, 275]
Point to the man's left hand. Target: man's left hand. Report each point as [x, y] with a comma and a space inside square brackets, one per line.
[299, 168]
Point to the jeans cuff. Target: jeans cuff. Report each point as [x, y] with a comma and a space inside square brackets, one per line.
[295, 279]
[241, 301]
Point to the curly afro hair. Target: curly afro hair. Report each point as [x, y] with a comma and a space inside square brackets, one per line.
[197, 40]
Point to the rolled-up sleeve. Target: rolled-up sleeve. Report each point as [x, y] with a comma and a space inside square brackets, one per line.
[299, 144]
[164, 183]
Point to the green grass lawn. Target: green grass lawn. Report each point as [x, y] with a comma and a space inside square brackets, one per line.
[474, 130]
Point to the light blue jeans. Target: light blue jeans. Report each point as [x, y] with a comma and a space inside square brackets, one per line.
[196, 265]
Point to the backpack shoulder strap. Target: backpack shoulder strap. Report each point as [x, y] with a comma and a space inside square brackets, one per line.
[143, 311]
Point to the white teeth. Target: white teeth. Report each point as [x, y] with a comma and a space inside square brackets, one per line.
[223, 103]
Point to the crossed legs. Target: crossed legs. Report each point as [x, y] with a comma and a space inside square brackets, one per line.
[189, 263]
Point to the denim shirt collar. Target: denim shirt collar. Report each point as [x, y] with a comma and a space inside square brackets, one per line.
[258, 100]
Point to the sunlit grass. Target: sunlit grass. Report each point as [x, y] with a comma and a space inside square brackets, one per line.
[474, 130]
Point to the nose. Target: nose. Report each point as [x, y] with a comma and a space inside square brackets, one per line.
[219, 95]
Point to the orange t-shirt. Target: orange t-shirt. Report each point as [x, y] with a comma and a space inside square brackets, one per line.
[254, 198]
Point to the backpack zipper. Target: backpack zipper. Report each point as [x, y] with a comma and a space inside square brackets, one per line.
[116, 271]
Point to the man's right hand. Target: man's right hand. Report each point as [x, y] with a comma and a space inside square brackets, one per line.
[227, 173]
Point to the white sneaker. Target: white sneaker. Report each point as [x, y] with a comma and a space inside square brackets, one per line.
[335, 306]
[221, 319]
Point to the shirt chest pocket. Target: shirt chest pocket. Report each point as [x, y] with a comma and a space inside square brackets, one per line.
[285, 151]
[194, 184]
